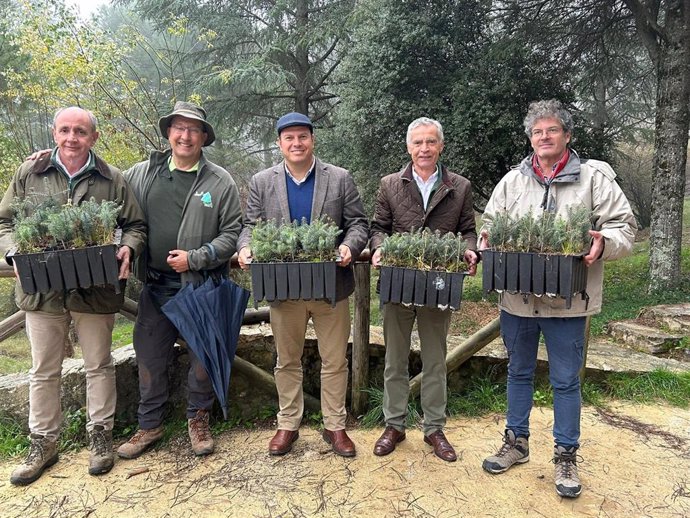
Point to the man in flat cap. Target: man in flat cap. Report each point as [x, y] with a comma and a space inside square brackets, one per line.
[303, 187]
[192, 207]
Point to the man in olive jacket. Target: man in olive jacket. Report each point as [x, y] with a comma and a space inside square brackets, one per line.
[423, 195]
[192, 207]
[72, 173]
[304, 187]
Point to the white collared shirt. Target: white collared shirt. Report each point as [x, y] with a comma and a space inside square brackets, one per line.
[81, 170]
[425, 187]
[299, 182]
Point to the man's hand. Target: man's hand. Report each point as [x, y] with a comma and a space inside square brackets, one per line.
[471, 259]
[124, 256]
[177, 259]
[244, 257]
[38, 154]
[376, 258]
[597, 248]
[483, 240]
[345, 255]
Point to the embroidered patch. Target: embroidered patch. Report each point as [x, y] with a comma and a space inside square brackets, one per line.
[205, 198]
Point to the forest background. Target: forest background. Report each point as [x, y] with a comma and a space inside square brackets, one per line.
[362, 70]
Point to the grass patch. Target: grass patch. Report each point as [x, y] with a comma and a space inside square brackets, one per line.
[484, 395]
[652, 387]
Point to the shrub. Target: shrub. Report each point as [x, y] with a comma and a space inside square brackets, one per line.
[425, 250]
[46, 225]
[309, 242]
[549, 233]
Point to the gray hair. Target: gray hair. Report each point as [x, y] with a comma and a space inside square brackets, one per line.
[551, 109]
[92, 117]
[424, 121]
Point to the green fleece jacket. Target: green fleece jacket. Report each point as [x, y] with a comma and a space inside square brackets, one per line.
[211, 217]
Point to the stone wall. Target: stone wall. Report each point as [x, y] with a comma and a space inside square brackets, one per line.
[245, 398]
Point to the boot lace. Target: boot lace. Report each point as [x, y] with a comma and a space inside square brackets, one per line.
[200, 429]
[99, 443]
[567, 464]
[506, 447]
[36, 451]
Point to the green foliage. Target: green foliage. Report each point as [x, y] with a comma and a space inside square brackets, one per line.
[651, 387]
[315, 241]
[483, 395]
[13, 440]
[549, 233]
[41, 223]
[73, 434]
[374, 416]
[425, 250]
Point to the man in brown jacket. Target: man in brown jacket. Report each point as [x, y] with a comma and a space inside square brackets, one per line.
[72, 173]
[423, 194]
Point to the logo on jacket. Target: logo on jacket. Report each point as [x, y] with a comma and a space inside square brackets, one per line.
[205, 198]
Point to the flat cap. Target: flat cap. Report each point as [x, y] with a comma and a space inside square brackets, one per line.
[294, 119]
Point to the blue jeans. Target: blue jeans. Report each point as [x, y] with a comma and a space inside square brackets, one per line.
[565, 338]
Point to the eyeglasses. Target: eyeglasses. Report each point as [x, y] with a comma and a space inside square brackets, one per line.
[431, 142]
[550, 132]
[193, 130]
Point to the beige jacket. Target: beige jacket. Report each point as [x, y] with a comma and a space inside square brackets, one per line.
[588, 182]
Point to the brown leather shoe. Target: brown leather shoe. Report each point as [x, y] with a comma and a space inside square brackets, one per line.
[388, 440]
[442, 448]
[282, 442]
[340, 442]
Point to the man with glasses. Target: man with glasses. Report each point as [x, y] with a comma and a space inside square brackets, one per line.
[553, 179]
[192, 207]
[424, 194]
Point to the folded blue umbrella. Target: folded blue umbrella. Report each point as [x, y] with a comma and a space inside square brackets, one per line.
[209, 318]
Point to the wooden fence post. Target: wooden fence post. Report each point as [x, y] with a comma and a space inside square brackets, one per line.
[360, 338]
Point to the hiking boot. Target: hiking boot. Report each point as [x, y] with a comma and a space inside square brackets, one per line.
[42, 454]
[140, 442]
[515, 450]
[566, 478]
[102, 458]
[200, 433]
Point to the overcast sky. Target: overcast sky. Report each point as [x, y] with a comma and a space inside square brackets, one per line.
[87, 7]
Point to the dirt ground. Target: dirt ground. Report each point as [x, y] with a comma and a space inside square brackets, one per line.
[635, 462]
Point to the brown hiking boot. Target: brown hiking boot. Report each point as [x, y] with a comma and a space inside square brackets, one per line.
[102, 458]
[140, 442]
[200, 433]
[42, 454]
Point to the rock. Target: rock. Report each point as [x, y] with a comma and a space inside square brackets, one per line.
[676, 317]
[643, 338]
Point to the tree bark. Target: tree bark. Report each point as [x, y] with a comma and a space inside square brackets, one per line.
[670, 148]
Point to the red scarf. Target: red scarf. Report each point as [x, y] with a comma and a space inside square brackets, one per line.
[557, 168]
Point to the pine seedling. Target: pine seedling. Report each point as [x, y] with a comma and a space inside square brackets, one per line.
[501, 232]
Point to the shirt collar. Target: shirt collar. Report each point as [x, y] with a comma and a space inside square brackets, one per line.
[298, 182]
[87, 165]
[172, 166]
[432, 179]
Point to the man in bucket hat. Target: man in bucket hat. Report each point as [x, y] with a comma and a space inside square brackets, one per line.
[193, 209]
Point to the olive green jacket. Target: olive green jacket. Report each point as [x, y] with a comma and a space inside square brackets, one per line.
[101, 182]
[211, 217]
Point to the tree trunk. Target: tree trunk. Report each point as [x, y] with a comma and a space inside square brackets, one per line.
[670, 150]
[302, 66]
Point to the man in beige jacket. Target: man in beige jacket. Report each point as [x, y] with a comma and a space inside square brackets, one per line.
[553, 179]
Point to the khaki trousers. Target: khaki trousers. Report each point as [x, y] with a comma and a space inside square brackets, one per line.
[332, 325]
[432, 325]
[47, 334]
